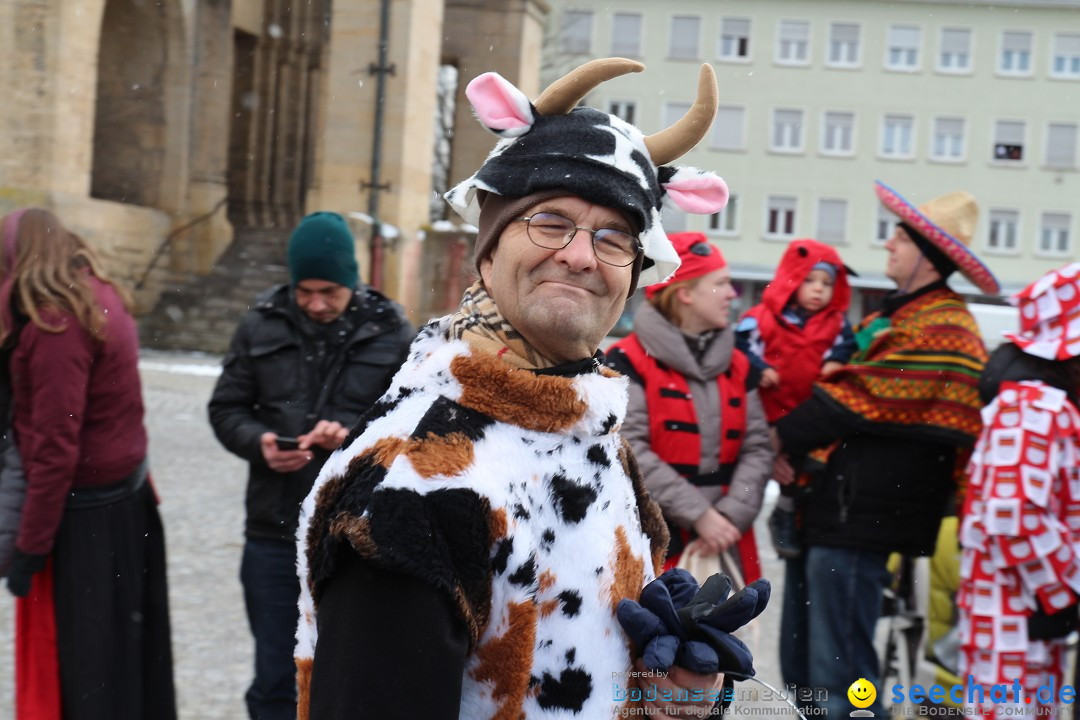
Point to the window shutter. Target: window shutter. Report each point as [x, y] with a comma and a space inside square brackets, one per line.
[794, 30]
[903, 36]
[832, 217]
[626, 35]
[955, 41]
[1061, 146]
[728, 128]
[1016, 42]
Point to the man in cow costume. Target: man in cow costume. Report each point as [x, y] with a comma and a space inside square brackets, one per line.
[463, 554]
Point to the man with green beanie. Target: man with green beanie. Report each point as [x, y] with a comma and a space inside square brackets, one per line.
[304, 364]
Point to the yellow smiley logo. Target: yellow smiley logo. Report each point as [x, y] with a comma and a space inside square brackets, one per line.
[862, 693]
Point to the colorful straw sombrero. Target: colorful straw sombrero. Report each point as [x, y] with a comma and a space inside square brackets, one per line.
[948, 222]
[1050, 315]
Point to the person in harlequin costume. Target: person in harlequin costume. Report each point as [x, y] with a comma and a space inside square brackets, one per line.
[795, 335]
[695, 420]
[1020, 576]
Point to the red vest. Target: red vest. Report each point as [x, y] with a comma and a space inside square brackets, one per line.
[674, 434]
[673, 428]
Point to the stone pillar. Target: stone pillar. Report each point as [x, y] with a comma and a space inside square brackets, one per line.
[211, 110]
[504, 36]
[48, 51]
[345, 130]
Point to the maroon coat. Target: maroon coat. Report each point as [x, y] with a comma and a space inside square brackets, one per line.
[78, 412]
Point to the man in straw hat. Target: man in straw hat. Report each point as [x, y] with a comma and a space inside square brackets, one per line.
[886, 436]
[464, 553]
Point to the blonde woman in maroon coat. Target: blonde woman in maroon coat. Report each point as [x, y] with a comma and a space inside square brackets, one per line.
[92, 622]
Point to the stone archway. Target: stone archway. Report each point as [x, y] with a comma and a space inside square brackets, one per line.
[138, 143]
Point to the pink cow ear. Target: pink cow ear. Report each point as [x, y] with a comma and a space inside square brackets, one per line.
[499, 106]
[694, 191]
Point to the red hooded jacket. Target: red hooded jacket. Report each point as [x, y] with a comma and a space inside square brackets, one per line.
[797, 352]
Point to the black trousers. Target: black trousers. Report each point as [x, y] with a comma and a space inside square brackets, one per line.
[112, 612]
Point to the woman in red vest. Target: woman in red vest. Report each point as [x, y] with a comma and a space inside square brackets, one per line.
[695, 421]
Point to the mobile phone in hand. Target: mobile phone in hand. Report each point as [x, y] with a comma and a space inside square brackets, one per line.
[287, 443]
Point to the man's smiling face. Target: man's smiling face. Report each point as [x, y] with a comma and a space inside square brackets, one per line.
[563, 302]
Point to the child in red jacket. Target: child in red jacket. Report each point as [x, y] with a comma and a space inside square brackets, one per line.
[797, 333]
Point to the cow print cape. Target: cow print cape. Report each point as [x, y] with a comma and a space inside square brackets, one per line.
[511, 492]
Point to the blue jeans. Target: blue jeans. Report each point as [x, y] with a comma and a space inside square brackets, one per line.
[832, 601]
[271, 593]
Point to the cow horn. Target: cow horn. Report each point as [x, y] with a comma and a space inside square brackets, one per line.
[675, 141]
[566, 92]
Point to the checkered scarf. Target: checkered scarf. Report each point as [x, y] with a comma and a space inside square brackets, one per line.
[479, 323]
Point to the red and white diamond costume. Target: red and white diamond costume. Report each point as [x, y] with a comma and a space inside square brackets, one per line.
[1021, 522]
[1019, 533]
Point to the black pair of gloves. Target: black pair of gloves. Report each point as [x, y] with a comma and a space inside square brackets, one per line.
[678, 623]
[23, 567]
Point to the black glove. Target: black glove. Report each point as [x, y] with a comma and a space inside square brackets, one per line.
[23, 567]
[714, 616]
[678, 623]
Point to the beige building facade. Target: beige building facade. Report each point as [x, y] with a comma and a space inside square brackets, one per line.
[184, 138]
[817, 100]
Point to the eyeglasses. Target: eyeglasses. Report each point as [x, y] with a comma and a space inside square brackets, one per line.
[554, 232]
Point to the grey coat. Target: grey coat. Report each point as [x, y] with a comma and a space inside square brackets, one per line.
[12, 495]
[682, 502]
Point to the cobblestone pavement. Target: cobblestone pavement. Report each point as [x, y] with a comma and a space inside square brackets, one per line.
[202, 491]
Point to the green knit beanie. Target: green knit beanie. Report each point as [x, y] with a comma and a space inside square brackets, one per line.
[322, 248]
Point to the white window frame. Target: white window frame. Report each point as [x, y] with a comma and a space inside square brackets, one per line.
[749, 45]
[844, 233]
[963, 156]
[967, 69]
[617, 52]
[1025, 145]
[989, 228]
[849, 152]
[623, 102]
[1069, 232]
[742, 131]
[881, 138]
[794, 218]
[1000, 59]
[889, 218]
[786, 149]
[1066, 74]
[697, 42]
[563, 25]
[805, 61]
[1076, 145]
[723, 218]
[904, 68]
[844, 64]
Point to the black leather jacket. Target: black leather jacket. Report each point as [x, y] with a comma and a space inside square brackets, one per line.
[283, 373]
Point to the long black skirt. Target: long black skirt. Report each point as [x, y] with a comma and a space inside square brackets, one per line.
[112, 612]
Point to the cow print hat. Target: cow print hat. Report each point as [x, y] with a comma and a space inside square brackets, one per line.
[553, 145]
